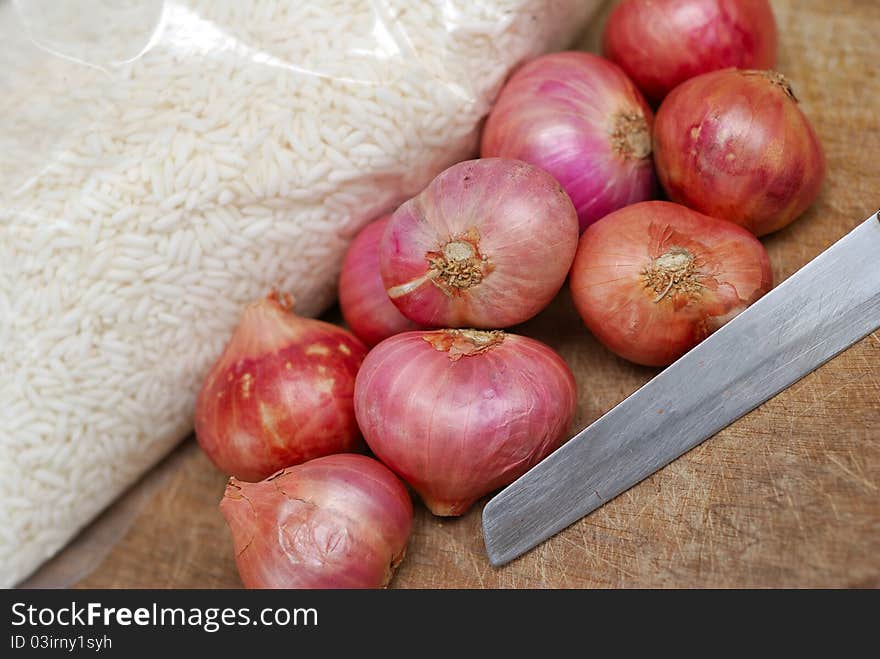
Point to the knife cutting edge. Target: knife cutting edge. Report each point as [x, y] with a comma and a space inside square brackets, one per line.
[825, 307]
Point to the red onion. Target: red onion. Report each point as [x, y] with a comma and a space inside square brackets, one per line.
[735, 145]
[487, 244]
[366, 307]
[280, 394]
[459, 413]
[654, 279]
[340, 521]
[662, 43]
[580, 118]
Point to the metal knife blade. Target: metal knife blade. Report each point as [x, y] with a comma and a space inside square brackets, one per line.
[815, 314]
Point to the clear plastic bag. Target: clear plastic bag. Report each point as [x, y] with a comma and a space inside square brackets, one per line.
[164, 163]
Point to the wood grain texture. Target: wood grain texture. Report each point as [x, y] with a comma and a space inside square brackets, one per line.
[787, 496]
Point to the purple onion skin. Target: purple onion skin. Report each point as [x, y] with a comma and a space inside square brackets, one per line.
[460, 413]
[487, 244]
[341, 521]
[662, 43]
[366, 307]
[580, 118]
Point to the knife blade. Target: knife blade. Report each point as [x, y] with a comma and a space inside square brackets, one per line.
[815, 314]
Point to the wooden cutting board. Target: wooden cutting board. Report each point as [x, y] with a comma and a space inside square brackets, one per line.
[787, 496]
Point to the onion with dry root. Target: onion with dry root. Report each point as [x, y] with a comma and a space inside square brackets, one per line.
[735, 145]
[654, 279]
[487, 244]
[580, 118]
[341, 521]
[662, 43]
[280, 394]
[460, 413]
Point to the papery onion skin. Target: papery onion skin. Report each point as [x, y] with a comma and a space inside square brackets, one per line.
[459, 413]
[735, 145]
[580, 118]
[487, 244]
[280, 394]
[341, 521]
[654, 279]
[662, 43]
[365, 305]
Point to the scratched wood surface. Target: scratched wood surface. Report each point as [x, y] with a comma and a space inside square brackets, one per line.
[787, 496]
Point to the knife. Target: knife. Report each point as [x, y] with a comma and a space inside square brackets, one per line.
[815, 314]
